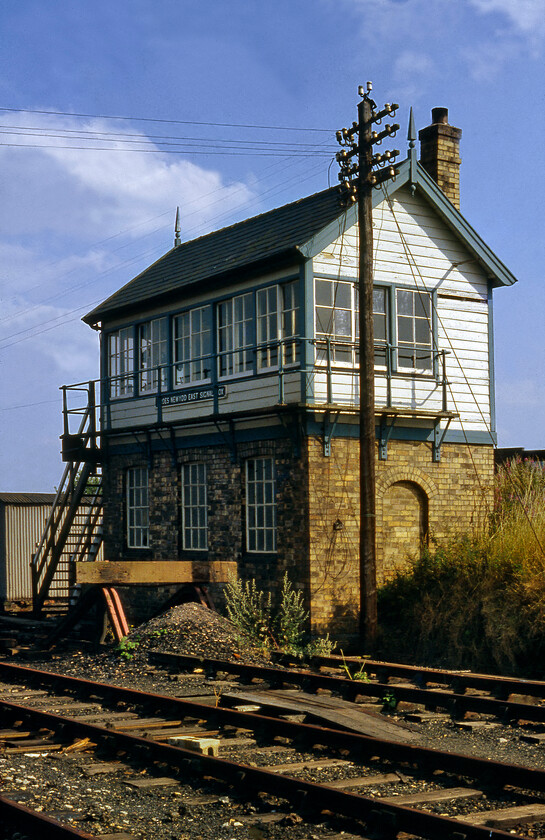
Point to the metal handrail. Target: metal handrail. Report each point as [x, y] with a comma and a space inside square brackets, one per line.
[328, 365]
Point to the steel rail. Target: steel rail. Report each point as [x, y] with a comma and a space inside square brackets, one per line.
[422, 676]
[373, 812]
[349, 688]
[356, 745]
[42, 826]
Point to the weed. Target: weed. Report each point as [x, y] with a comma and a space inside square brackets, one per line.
[320, 647]
[251, 611]
[389, 701]
[360, 674]
[127, 647]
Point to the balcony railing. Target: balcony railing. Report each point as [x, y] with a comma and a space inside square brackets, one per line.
[325, 360]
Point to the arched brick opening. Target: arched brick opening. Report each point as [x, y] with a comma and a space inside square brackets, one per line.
[403, 527]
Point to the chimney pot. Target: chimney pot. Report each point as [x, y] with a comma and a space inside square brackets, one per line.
[439, 115]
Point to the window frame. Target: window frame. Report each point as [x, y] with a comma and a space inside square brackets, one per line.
[391, 328]
[153, 356]
[137, 499]
[197, 475]
[261, 506]
[121, 380]
[240, 355]
[202, 337]
[271, 321]
[418, 296]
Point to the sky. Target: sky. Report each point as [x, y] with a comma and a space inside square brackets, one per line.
[114, 114]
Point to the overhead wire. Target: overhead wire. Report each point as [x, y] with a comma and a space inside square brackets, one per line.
[166, 121]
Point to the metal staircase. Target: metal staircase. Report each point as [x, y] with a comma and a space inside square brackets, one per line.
[73, 531]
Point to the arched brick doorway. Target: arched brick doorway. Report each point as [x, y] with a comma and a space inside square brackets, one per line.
[405, 526]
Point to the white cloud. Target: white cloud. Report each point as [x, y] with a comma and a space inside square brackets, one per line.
[411, 69]
[527, 15]
[87, 194]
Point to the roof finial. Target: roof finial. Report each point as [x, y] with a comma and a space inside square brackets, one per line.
[177, 240]
[411, 134]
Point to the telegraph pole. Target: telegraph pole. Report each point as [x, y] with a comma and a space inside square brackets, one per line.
[358, 180]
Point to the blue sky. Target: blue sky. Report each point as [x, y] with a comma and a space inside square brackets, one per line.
[77, 223]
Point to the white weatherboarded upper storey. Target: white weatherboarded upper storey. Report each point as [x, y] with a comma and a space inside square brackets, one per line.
[415, 249]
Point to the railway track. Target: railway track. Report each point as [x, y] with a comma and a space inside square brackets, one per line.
[267, 773]
[506, 699]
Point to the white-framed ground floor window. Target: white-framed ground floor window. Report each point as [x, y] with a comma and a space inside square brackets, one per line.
[194, 507]
[138, 507]
[260, 505]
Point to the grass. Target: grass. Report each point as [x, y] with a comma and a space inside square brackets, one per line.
[477, 600]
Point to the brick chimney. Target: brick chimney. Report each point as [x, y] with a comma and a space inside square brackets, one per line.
[439, 154]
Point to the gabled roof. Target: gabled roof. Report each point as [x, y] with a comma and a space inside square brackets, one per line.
[261, 239]
[299, 231]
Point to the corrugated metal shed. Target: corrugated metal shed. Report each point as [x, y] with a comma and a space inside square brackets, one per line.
[22, 520]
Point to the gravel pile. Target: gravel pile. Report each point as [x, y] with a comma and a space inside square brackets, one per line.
[194, 630]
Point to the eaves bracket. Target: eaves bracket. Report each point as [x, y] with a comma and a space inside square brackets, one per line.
[329, 431]
[438, 438]
[229, 437]
[385, 434]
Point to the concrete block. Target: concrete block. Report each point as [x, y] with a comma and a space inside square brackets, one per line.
[205, 746]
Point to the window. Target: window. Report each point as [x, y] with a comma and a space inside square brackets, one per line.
[260, 505]
[235, 335]
[137, 508]
[152, 340]
[194, 507]
[290, 316]
[192, 346]
[381, 324]
[276, 319]
[336, 321]
[414, 330]
[121, 363]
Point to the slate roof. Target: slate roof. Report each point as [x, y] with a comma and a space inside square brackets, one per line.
[258, 240]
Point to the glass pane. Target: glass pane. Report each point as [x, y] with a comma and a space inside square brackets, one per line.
[422, 331]
[404, 302]
[323, 320]
[379, 300]
[422, 305]
[405, 330]
[379, 323]
[343, 323]
[324, 289]
[343, 295]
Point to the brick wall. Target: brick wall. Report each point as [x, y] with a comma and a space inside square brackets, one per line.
[317, 513]
[416, 498]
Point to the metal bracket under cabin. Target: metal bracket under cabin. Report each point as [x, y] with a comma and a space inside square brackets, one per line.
[385, 434]
[329, 431]
[170, 444]
[438, 438]
[228, 437]
[294, 428]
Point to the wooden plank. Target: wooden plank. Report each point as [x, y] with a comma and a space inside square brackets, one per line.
[339, 713]
[364, 781]
[311, 764]
[154, 571]
[430, 796]
[509, 817]
[144, 784]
